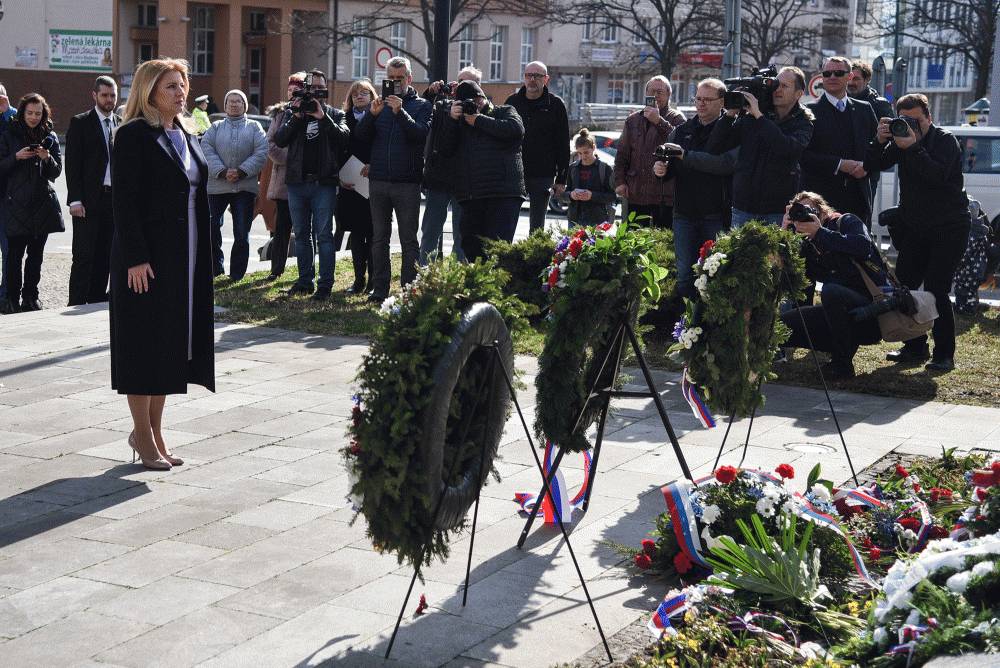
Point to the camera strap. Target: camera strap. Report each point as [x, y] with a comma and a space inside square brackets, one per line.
[876, 293]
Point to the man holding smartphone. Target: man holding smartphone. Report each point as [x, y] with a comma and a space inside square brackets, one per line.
[645, 194]
[396, 128]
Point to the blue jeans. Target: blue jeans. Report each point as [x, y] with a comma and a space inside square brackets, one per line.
[741, 218]
[432, 226]
[311, 205]
[689, 235]
[241, 205]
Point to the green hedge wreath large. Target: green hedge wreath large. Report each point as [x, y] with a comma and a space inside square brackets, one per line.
[393, 484]
[728, 336]
[596, 275]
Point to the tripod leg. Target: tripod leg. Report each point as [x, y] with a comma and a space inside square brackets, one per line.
[546, 481]
[399, 619]
[479, 488]
[725, 436]
[659, 404]
[746, 443]
[597, 453]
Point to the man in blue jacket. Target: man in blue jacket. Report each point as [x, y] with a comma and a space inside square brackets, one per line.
[397, 129]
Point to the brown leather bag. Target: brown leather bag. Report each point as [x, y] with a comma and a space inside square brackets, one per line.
[896, 325]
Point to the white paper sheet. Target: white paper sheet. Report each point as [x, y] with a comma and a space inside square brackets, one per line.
[351, 173]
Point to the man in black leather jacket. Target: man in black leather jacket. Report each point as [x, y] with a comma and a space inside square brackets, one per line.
[315, 134]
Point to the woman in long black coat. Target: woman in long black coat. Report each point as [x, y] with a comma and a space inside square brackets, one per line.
[353, 212]
[162, 331]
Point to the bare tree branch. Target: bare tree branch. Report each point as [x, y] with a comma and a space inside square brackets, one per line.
[772, 28]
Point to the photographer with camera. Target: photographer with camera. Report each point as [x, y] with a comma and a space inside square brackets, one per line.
[315, 134]
[765, 120]
[930, 227]
[483, 143]
[644, 130]
[701, 198]
[833, 162]
[438, 171]
[836, 248]
[543, 149]
[396, 127]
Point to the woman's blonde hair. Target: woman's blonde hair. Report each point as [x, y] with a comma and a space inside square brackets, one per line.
[360, 83]
[585, 139]
[825, 210]
[144, 81]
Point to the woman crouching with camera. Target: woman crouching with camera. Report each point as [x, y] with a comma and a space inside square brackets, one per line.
[836, 248]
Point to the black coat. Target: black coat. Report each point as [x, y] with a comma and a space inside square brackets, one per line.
[149, 331]
[486, 157]
[438, 170]
[292, 134]
[696, 193]
[86, 159]
[545, 149]
[829, 145]
[353, 213]
[32, 204]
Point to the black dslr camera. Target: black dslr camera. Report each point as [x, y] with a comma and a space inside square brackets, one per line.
[800, 213]
[761, 83]
[901, 125]
[310, 95]
[446, 89]
[469, 107]
[665, 152]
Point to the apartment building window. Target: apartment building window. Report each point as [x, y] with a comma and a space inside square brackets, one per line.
[861, 14]
[258, 22]
[397, 37]
[527, 46]
[623, 89]
[145, 52]
[589, 29]
[203, 41]
[497, 41]
[466, 47]
[147, 15]
[641, 28]
[661, 34]
[359, 50]
[609, 35]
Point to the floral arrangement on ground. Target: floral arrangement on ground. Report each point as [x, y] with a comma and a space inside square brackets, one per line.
[888, 574]
[729, 335]
[597, 276]
[394, 383]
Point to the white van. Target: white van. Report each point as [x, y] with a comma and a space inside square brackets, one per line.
[981, 168]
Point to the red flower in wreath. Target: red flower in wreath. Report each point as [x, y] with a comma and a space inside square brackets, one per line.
[940, 494]
[649, 547]
[726, 474]
[575, 246]
[911, 523]
[581, 234]
[642, 561]
[902, 472]
[682, 563]
[553, 277]
[421, 606]
[985, 478]
[937, 531]
[785, 471]
[875, 554]
[706, 248]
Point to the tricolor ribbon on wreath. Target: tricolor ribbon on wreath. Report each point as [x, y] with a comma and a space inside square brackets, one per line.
[559, 495]
[690, 392]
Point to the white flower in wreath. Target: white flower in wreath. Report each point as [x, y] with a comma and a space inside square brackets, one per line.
[702, 284]
[710, 514]
[881, 636]
[713, 263]
[690, 336]
[389, 305]
[821, 492]
[765, 506]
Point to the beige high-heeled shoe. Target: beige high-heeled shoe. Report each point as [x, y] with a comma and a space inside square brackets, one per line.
[158, 464]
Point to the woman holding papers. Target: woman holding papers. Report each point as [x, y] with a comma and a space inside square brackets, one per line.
[353, 213]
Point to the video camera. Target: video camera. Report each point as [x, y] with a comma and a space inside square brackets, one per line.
[665, 152]
[901, 125]
[310, 94]
[761, 83]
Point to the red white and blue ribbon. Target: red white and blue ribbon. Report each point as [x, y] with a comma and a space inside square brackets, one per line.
[807, 511]
[926, 521]
[690, 393]
[559, 497]
[672, 606]
[683, 520]
[862, 496]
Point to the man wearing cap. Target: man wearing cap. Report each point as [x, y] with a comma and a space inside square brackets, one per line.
[488, 173]
[200, 114]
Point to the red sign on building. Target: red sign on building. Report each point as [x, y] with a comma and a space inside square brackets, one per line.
[713, 60]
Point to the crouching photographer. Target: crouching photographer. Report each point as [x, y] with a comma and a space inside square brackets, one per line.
[840, 254]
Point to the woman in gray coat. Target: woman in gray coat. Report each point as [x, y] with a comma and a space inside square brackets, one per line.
[236, 150]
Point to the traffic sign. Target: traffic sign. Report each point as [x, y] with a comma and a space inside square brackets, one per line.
[815, 87]
[382, 57]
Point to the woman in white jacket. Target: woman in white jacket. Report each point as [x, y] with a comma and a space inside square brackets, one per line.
[236, 150]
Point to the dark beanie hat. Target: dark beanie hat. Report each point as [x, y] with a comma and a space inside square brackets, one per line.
[468, 90]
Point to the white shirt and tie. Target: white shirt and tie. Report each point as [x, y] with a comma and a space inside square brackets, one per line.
[108, 127]
[840, 105]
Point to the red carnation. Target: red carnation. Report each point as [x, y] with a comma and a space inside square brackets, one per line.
[706, 248]
[642, 561]
[553, 278]
[902, 472]
[422, 605]
[937, 531]
[875, 554]
[940, 493]
[726, 474]
[580, 234]
[916, 487]
[785, 471]
[682, 563]
[575, 247]
[649, 547]
[981, 494]
[983, 478]
[995, 466]
[911, 523]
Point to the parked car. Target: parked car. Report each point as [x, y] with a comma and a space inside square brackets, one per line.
[980, 165]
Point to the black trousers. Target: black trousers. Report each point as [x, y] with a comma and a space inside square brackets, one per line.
[489, 218]
[88, 276]
[26, 284]
[282, 233]
[930, 257]
[830, 327]
[660, 215]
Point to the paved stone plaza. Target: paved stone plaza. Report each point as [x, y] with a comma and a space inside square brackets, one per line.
[246, 555]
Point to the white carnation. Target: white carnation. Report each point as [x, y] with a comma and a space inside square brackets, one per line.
[710, 514]
[820, 492]
[388, 305]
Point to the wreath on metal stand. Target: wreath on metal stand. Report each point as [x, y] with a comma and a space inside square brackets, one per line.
[431, 406]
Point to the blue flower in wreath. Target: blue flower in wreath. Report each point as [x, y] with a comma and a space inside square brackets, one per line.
[562, 245]
[679, 327]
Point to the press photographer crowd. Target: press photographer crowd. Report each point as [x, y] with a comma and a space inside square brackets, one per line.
[334, 174]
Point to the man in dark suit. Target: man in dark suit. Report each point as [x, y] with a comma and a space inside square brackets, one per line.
[833, 163]
[88, 181]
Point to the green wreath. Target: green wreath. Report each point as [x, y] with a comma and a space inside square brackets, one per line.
[597, 276]
[728, 336]
[395, 481]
